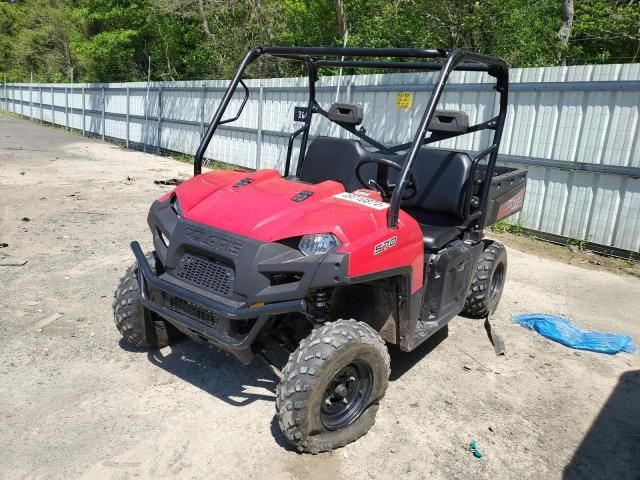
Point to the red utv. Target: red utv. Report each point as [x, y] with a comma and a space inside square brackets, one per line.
[364, 243]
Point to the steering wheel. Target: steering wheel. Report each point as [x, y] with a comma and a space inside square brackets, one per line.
[387, 189]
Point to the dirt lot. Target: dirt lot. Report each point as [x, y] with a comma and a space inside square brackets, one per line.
[75, 402]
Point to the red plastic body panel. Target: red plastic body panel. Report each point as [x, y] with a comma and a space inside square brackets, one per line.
[265, 210]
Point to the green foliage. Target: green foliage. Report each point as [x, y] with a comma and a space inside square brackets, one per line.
[38, 36]
[523, 33]
[518, 228]
[8, 30]
[580, 244]
[118, 40]
[213, 164]
[606, 31]
[500, 227]
[217, 165]
[182, 157]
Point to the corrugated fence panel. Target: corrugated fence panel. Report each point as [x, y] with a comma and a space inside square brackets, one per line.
[578, 205]
[553, 206]
[571, 126]
[623, 132]
[536, 191]
[628, 233]
[605, 209]
[567, 135]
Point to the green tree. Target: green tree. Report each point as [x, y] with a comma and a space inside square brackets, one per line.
[9, 27]
[121, 35]
[605, 31]
[118, 40]
[41, 35]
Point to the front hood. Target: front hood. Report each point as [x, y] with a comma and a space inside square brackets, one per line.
[267, 207]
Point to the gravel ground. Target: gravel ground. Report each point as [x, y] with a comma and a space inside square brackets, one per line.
[75, 402]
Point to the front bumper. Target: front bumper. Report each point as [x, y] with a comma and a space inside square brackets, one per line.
[215, 326]
[237, 270]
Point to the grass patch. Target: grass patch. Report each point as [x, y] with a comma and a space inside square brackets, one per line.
[213, 164]
[518, 229]
[12, 114]
[630, 260]
[182, 157]
[513, 228]
[581, 245]
[501, 227]
[218, 165]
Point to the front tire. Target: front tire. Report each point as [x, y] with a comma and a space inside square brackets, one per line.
[138, 325]
[488, 282]
[331, 386]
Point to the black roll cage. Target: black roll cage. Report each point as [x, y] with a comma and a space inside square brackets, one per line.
[321, 57]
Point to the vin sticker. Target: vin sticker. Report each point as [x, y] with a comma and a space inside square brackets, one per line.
[367, 202]
[386, 245]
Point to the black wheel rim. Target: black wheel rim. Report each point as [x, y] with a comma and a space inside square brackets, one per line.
[346, 396]
[496, 281]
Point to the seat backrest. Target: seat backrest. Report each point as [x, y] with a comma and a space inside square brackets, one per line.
[443, 178]
[336, 159]
[442, 175]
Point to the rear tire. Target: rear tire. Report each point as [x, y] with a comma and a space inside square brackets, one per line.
[488, 282]
[138, 325]
[331, 386]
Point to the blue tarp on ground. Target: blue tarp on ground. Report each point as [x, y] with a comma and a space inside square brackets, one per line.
[561, 330]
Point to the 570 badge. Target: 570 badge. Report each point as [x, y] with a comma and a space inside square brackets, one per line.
[386, 245]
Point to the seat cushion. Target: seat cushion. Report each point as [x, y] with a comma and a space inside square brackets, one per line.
[434, 237]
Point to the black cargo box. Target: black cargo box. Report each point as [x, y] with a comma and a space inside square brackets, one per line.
[506, 195]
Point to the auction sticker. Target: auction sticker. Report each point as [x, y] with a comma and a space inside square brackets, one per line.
[362, 200]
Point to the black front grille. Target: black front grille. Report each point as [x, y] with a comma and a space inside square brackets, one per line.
[210, 275]
[193, 310]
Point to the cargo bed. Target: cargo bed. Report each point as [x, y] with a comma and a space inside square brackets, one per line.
[506, 196]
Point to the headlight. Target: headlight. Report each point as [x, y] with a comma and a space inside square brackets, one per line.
[317, 243]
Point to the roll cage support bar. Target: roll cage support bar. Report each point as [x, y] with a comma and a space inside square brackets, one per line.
[315, 57]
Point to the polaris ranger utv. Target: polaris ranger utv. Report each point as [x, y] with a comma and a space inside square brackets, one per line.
[365, 243]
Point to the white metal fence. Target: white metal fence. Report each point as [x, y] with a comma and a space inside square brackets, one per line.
[575, 128]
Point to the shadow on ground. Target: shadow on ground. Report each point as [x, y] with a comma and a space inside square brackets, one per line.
[221, 375]
[611, 448]
[217, 372]
[402, 362]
